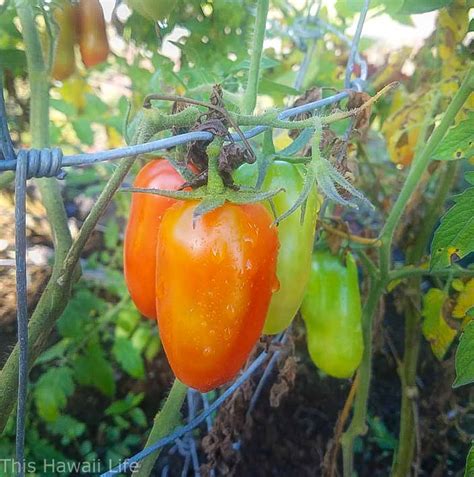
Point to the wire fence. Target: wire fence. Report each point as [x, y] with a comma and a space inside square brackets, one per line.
[50, 162]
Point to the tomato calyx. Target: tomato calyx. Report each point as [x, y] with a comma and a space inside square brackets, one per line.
[214, 193]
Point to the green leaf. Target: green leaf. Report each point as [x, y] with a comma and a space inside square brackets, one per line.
[83, 130]
[138, 417]
[465, 358]
[93, 369]
[122, 406]
[435, 329]
[67, 427]
[13, 60]
[422, 6]
[127, 320]
[141, 337]
[275, 90]
[56, 351]
[96, 108]
[471, 25]
[153, 348]
[455, 234]
[78, 312]
[469, 470]
[51, 392]
[128, 357]
[458, 142]
[380, 434]
[63, 107]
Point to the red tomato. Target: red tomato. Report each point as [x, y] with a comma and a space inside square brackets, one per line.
[146, 212]
[214, 281]
[93, 42]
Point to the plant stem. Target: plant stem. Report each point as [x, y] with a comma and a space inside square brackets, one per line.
[215, 184]
[39, 126]
[358, 424]
[407, 272]
[250, 96]
[165, 421]
[418, 167]
[406, 443]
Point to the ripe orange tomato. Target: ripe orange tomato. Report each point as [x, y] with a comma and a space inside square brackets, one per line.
[93, 42]
[146, 212]
[214, 281]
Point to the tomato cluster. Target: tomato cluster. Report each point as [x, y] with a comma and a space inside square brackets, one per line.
[216, 282]
[83, 23]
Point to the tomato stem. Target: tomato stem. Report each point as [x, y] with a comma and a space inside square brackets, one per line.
[165, 421]
[215, 185]
[358, 424]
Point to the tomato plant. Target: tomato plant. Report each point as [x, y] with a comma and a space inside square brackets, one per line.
[202, 80]
[214, 280]
[332, 313]
[146, 214]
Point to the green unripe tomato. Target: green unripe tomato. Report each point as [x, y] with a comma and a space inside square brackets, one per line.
[296, 239]
[332, 312]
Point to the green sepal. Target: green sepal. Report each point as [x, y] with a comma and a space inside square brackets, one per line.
[268, 147]
[172, 194]
[250, 197]
[309, 182]
[327, 178]
[208, 204]
[181, 168]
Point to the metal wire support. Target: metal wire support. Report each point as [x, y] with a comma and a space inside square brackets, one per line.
[353, 54]
[21, 284]
[21, 307]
